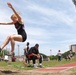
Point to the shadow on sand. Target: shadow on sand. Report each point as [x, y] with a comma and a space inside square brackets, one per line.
[8, 72]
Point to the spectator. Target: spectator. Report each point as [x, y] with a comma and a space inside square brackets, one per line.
[26, 52]
[59, 55]
[33, 54]
[71, 53]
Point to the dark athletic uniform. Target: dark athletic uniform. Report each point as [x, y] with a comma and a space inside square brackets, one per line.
[20, 30]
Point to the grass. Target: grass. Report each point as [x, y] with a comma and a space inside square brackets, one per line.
[73, 69]
[56, 63]
[20, 66]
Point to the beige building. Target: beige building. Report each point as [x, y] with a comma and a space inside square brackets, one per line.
[73, 48]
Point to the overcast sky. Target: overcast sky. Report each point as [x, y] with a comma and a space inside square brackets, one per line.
[50, 23]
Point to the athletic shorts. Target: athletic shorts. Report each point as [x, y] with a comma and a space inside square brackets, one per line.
[23, 34]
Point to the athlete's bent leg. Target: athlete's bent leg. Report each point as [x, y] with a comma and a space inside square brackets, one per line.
[12, 39]
[5, 42]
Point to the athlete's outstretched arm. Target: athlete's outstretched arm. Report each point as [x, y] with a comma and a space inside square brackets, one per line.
[18, 16]
[9, 23]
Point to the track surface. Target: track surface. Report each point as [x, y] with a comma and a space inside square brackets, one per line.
[58, 68]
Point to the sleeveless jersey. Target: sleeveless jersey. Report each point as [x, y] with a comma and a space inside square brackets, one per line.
[20, 30]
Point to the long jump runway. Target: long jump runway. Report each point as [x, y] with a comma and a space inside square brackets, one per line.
[57, 68]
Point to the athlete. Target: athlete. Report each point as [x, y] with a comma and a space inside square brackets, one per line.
[26, 52]
[19, 25]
